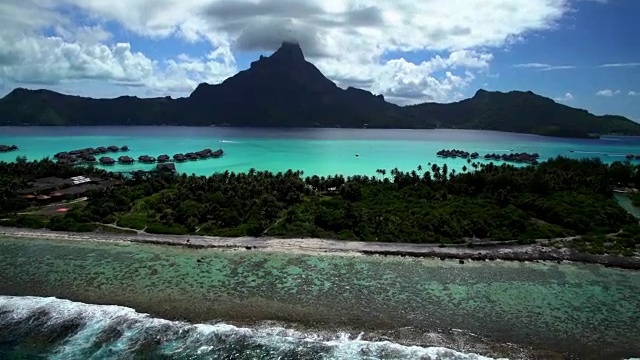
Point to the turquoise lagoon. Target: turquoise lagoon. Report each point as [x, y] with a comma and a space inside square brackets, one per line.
[315, 151]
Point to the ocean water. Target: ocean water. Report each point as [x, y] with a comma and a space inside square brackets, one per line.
[266, 305]
[66, 330]
[315, 151]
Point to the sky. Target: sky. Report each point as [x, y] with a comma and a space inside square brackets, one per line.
[582, 53]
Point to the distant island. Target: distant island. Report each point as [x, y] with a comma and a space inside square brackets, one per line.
[285, 90]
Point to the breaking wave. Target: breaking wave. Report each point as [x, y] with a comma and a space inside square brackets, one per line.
[62, 329]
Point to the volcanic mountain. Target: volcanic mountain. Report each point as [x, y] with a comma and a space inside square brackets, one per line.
[285, 90]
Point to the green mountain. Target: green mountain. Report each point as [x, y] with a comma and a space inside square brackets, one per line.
[285, 90]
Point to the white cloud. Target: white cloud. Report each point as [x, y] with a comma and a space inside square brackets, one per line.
[543, 67]
[51, 60]
[633, 93]
[607, 92]
[352, 42]
[619, 65]
[566, 97]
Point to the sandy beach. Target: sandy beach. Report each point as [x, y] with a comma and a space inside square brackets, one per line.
[487, 252]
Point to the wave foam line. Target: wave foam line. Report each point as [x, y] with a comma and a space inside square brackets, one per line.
[108, 331]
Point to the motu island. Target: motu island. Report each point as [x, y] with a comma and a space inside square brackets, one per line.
[559, 203]
[284, 90]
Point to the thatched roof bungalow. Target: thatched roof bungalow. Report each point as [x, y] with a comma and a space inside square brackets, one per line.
[179, 157]
[7, 148]
[61, 155]
[163, 158]
[191, 156]
[125, 160]
[113, 148]
[146, 159]
[124, 148]
[105, 160]
[88, 158]
[218, 153]
[202, 154]
[101, 150]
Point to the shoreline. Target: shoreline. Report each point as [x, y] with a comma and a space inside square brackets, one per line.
[315, 246]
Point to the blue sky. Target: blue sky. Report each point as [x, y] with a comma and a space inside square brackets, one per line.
[583, 53]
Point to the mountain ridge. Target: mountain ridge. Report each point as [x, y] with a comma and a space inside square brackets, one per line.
[285, 90]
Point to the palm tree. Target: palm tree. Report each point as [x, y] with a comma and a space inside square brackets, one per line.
[445, 170]
[464, 168]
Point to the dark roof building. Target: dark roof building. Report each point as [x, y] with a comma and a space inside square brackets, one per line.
[43, 185]
[166, 167]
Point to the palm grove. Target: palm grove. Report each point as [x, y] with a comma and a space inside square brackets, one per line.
[558, 198]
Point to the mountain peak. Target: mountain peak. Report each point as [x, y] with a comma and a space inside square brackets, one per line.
[289, 51]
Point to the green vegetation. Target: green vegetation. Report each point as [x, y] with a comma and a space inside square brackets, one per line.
[558, 198]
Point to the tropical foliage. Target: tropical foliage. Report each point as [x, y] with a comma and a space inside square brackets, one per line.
[558, 198]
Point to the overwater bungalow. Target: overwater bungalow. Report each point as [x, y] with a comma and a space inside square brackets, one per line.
[163, 158]
[203, 154]
[453, 153]
[124, 148]
[218, 153]
[113, 148]
[191, 156]
[61, 155]
[105, 160]
[179, 157]
[474, 155]
[146, 159]
[515, 157]
[7, 148]
[101, 150]
[127, 160]
[72, 160]
[75, 152]
[88, 158]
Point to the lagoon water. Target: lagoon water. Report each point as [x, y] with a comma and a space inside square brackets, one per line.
[315, 151]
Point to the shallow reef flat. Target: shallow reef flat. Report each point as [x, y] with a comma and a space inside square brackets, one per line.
[586, 310]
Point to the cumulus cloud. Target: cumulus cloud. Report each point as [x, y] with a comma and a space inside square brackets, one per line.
[607, 92]
[352, 42]
[566, 97]
[633, 93]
